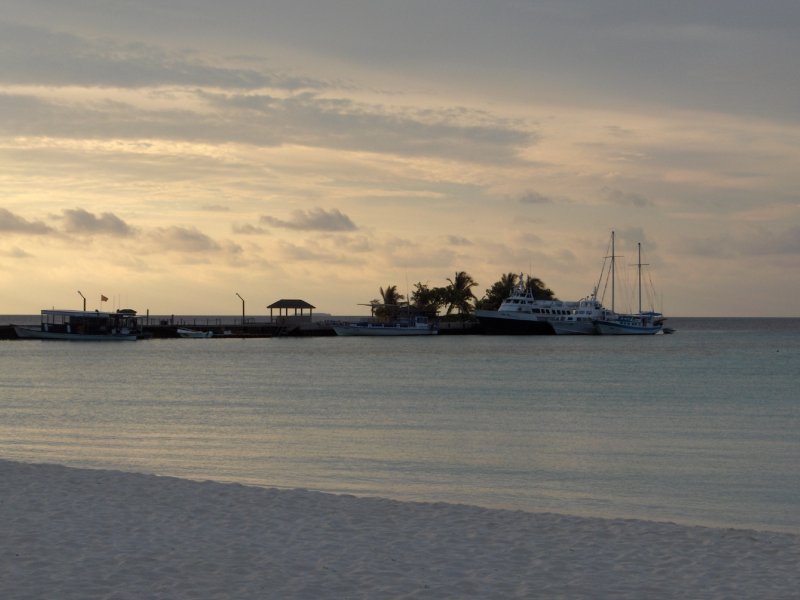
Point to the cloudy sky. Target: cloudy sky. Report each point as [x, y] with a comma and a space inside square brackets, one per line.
[171, 154]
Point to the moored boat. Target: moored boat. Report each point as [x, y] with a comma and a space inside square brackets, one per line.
[635, 324]
[523, 314]
[81, 325]
[641, 323]
[581, 319]
[193, 333]
[407, 327]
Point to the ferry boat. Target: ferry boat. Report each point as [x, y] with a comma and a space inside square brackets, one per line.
[522, 314]
[416, 326]
[81, 325]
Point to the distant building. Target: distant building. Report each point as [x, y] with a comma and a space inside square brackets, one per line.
[288, 312]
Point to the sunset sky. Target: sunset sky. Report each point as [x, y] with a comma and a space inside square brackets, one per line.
[172, 153]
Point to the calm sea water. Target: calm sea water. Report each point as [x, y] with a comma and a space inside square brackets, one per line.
[699, 427]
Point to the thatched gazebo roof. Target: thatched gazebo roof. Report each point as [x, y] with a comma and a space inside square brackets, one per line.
[301, 304]
[287, 305]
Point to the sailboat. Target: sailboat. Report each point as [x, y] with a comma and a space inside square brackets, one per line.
[641, 323]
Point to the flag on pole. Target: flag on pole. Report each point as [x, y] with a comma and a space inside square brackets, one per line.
[103, 298]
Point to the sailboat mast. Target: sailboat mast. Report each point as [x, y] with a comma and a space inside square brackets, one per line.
[613, 275]
[639, 265]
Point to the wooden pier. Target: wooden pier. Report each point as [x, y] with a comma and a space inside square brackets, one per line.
[222, 329]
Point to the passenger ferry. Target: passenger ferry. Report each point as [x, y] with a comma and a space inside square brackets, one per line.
[523, 314]
[83, 325]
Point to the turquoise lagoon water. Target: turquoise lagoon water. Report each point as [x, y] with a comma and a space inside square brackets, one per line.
[700, 427]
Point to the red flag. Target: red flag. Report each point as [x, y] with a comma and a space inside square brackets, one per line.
[103, 298]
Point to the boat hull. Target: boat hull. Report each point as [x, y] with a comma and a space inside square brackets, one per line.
[612, 328]
[191, 333]
[356, 330]
[37, 334]
[574, 328]
[500, 323]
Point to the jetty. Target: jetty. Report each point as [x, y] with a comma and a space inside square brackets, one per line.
[287, 318]
[252, 328]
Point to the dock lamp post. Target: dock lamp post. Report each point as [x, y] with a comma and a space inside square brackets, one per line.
[242, 299]
[84, 300]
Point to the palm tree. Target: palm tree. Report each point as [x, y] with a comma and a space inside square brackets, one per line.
[390, 295]
[390, 307]
[459, 293]
[503, 288]
[539, 290]
[426, 299]
[499, 291]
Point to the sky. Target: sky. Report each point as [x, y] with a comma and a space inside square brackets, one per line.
[171, 155]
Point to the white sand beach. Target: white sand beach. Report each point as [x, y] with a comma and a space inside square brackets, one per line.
[84, 534]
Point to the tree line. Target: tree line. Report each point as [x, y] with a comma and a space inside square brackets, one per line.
[455, 297]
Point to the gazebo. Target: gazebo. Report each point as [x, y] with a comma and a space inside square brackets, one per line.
[287, 305]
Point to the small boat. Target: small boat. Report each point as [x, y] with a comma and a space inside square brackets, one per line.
[416, 326]
[81, 325]
[192, 333]
[641, 323]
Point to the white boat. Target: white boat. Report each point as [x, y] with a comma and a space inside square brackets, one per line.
[192, 333]
[581, 321]
[81, 325]
[416, 326]
[522, 314]
[641, 323]
[634, 324]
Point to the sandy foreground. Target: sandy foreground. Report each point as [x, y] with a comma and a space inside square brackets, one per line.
[84, 534]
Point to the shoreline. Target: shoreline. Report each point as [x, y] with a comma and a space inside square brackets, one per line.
[85, 533]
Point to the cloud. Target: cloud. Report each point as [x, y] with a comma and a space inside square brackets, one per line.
[248, 229]
[303, 120]
[37, 56]
[622, 198]
[782, 242]
[353, 243]
[457, 240]
[532, 197]
[189, 98]
[336, 122]
[182, 239]
[312, 252]
[16, 252]
[757, 241]
[80, 221]
[707, 57]
[316, 219]
[11, 223]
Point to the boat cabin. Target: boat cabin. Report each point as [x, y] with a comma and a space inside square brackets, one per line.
[84, 322]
